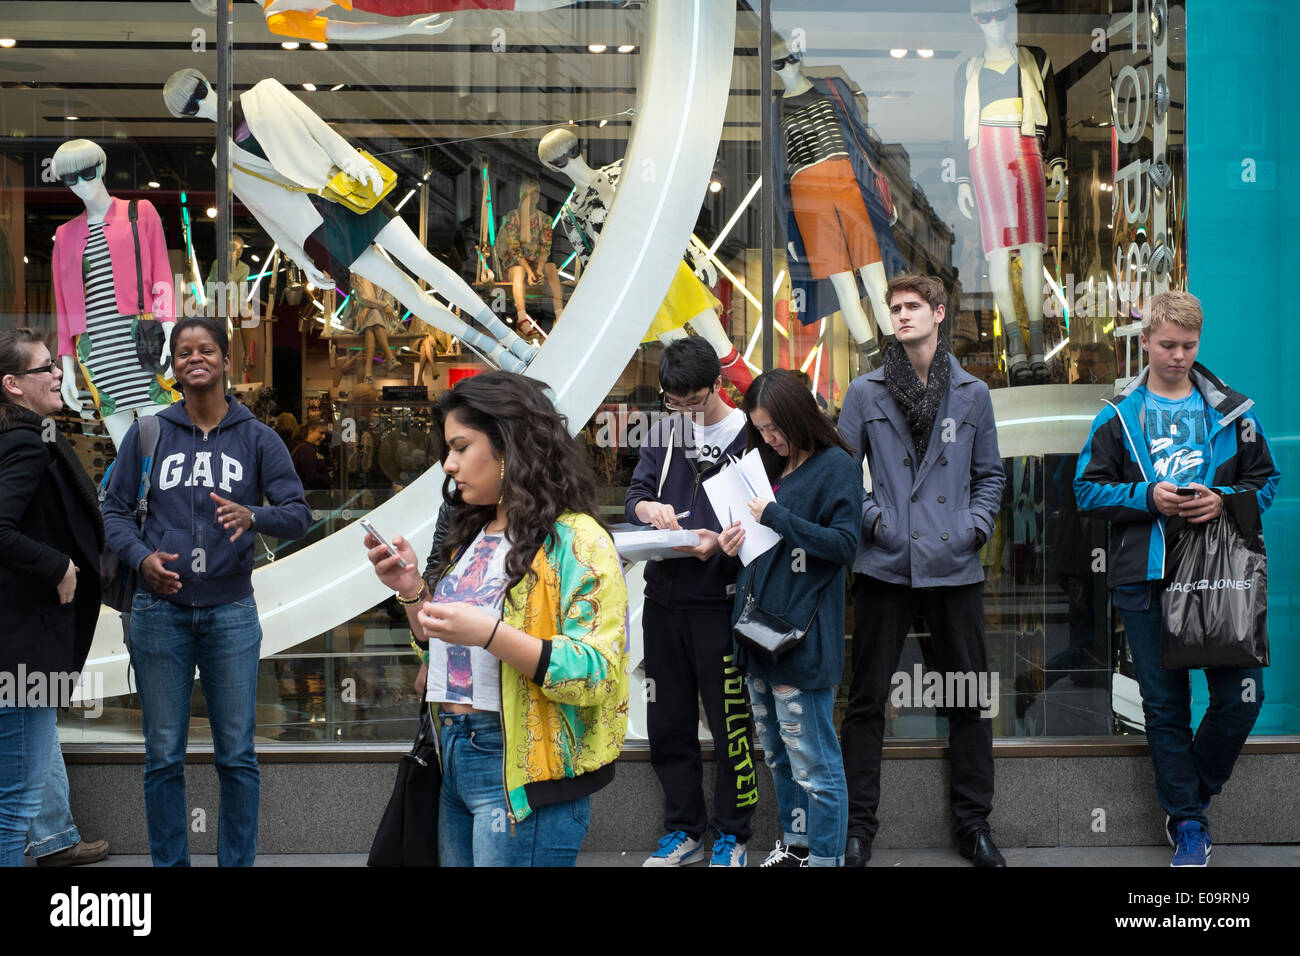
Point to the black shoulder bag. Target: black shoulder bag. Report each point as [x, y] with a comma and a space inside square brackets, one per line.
[762, 631]
[408, 832]
[146, 331]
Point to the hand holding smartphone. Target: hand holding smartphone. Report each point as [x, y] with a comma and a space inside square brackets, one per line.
[370, 529]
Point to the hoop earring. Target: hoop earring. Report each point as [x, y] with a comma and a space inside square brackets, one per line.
[502, 499]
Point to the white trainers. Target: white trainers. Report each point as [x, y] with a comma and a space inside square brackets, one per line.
[785, 855]
[676, 849]
[728, 852]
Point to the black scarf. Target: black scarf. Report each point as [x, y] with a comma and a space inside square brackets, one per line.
[918, 404]
[16, 416]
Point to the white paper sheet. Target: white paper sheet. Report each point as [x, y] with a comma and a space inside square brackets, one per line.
[730, 492]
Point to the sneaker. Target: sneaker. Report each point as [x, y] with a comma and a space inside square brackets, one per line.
[1193, 845]
[785, 855]
[1171, 828]
[727, 852]
[676, 849]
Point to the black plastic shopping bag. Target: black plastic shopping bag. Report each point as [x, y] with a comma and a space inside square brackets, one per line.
[1216, 600]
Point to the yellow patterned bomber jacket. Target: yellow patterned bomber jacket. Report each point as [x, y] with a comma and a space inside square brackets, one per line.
[564, 725]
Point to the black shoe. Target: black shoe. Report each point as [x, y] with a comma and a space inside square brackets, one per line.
[857, 851]
[1021, 374]
[979, 849]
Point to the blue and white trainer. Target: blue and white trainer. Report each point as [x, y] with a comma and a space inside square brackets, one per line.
[676, 849]
[727, 852]
[1192, 845]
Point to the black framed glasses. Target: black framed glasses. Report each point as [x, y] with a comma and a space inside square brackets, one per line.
[988, 16]
[560, 162]
[785, 61]
[81, 175]
[36, 371]
[685, 406]
[192, 104]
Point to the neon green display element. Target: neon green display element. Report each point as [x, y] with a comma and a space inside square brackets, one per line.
[487, 189]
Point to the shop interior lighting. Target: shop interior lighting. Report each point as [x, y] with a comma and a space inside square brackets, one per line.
[26, 260]
[596, 48]
[309, 87]
[8, 43]
[405, 199]
[749, 196]
[270, 258]
[604, 123]
[212, 212]
[72, 119]
[924, 54]
[557, 219]
[154, 184]
[255, 258]
[319, 45]
[715, 186]
[336, 87]
[626, 47]
[1056, 289]
[758, 328]
[1063, 343]
[897, 53]
[290, 44]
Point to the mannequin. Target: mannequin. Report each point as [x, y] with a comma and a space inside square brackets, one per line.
[373, 317]
[281, 146]
[97, 296]
[524, 249]
[300, 19]
[836, 226]
[238, 284]
[583, 217]
[1005, 113]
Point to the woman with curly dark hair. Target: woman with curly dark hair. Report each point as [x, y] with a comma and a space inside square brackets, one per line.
[526, 623]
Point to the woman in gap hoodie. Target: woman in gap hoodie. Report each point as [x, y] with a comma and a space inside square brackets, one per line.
[193, 606]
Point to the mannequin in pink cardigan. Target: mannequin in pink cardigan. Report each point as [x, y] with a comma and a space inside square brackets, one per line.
[96, 293]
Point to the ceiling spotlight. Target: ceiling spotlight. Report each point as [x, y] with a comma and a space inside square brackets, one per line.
[8, 43]
[212, 212]
[26, 260]
[604, 123]
[255, 258]
[596, 48]
[898, 54]
[925, 54]
[337, 87]
[319, 45]
[715, 186]
[154, 184]
[573, 122]
[309, 87]
[290, 45]
[73, 118]
[626, 47]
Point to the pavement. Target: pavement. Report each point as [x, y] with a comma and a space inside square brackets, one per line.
[1244, 855]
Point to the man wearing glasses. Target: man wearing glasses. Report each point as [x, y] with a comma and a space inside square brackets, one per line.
[687, 616]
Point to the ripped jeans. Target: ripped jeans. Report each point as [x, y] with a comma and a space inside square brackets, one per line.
[797, 730]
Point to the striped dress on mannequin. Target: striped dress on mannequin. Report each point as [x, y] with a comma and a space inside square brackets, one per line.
[106, 349]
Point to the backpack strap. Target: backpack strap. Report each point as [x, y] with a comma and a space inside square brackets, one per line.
[149, 429]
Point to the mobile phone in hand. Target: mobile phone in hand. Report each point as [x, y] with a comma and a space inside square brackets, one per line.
[1185, 492]
[370, 529]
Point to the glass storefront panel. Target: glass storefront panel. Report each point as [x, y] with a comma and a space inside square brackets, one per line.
[1030, 155]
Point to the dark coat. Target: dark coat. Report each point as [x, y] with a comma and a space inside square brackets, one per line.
[48, 515]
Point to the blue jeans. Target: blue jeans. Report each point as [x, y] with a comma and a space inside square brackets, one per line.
[797, 730]
[53, 830]
[25, 736]
[1189, 769]
[474, 827]
[167, 642]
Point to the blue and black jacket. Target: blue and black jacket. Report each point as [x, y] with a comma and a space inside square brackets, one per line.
[1116, 479]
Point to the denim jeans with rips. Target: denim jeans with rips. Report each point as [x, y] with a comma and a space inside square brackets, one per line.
[1190, 769]
[167, 642]
[797, 730]
[474, 827]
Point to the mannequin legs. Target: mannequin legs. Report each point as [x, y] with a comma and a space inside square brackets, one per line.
[873, 277]
[377, 334]
[371, 265]
[398, 239]
[119, 422]
[846, 290]
[1020, 370]
[709, 327]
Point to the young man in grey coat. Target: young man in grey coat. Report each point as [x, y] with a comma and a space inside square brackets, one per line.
[926, 429]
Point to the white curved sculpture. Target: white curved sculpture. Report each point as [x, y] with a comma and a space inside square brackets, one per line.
[686, 78]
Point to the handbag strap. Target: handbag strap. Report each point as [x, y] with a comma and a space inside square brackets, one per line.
[753, 589]
[854, 132]
[133, 212]
[283, 185]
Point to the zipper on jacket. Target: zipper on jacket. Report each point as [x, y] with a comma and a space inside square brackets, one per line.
[1137, 459]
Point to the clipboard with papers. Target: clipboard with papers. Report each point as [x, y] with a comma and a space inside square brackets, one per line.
[730, 491]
